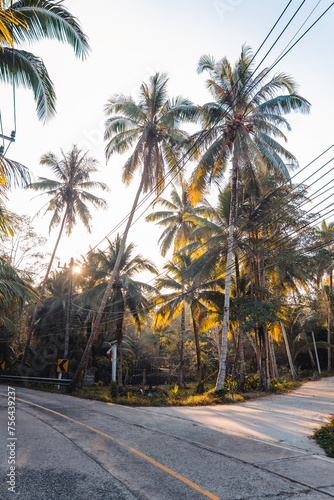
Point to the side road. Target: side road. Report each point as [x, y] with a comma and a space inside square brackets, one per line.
[288, 419]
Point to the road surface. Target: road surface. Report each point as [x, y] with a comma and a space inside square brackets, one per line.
[67, 448]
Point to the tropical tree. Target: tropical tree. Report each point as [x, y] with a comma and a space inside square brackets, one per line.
[13, 290]
[151, 130]
[175, 218]
[241, 127]
[33, 21]
[184, 291]
[324, 263]
[127, 294]
[69, 197]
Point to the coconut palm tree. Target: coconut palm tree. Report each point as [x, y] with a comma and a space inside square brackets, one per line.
[186, 291]
[69, 197]
[241, 126]
[324, 262]
[174, 218]
[150, 129]
[7, 20]
[8, 221]
[13, 289]
[33, 21]
[127, 294]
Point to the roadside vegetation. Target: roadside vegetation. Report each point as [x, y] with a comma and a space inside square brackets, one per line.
[243, 303]
[173, 395]
[325, 437]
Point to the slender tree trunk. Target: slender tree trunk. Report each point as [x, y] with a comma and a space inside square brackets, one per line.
[34, 316]
[198, 356]
[119, 338]
[273, 364]
[311, 358]
[112, 280]
[182, 337]
[288, 352]
[264, 351]
[240, 329]
[251, 341]
[241, 355]
[222, 369]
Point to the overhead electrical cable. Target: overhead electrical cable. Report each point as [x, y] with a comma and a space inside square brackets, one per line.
[192, 150]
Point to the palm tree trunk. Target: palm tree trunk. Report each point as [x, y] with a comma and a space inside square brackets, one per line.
[199, 388]
[119, 338]
[112, 280]
[222, 368]
[33, 319]
[241, 355]
[288, 352]
[311, 358]
[240, 329]
[273, 364]
[182, 338]
[264, 350]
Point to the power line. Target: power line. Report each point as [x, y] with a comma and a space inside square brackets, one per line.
[200, 139]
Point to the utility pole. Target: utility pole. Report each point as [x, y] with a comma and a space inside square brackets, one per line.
[67, 312]
[68, 309]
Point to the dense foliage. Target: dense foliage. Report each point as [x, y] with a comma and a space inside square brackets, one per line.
[246, 292]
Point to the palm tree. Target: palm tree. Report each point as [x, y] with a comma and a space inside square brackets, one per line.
[32, 21]
[7, 20]
[50, 325]
[13, 289]
[151, 129]
[186, 291]
[174, 218]
[69, 197]
[240, 129]
[127, 294]
[325, 236]
[8, 221]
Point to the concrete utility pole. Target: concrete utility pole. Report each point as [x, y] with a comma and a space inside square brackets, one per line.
[67, 312]
[68, 309]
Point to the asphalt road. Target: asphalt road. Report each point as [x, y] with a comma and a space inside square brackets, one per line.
[68, 448]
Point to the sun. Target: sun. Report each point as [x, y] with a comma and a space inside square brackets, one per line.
[76, 269]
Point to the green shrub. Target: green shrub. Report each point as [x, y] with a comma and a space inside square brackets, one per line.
[252, 383]
[114, 389]
[325, 438]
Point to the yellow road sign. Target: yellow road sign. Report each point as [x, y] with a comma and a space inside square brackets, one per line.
[62, 365]
[2, 365]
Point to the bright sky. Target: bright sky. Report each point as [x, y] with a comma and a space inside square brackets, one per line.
[132, 40]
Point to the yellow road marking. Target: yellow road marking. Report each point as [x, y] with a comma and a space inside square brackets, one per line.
[149, 459]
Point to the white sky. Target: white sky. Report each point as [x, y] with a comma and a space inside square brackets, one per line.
[131, 41]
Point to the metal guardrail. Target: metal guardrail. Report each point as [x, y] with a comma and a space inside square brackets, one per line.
[40, 380]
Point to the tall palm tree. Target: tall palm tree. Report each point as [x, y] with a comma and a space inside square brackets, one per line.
[174, 218]
[69, 197]
[185, 291]
[33, 21]
[127, 294]
[324, 262]
[151, 130]
[241, 127]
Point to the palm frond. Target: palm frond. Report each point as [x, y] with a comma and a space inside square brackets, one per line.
[51, 20]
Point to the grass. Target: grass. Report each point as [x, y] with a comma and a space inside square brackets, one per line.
[325, 437]
[172, 395]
